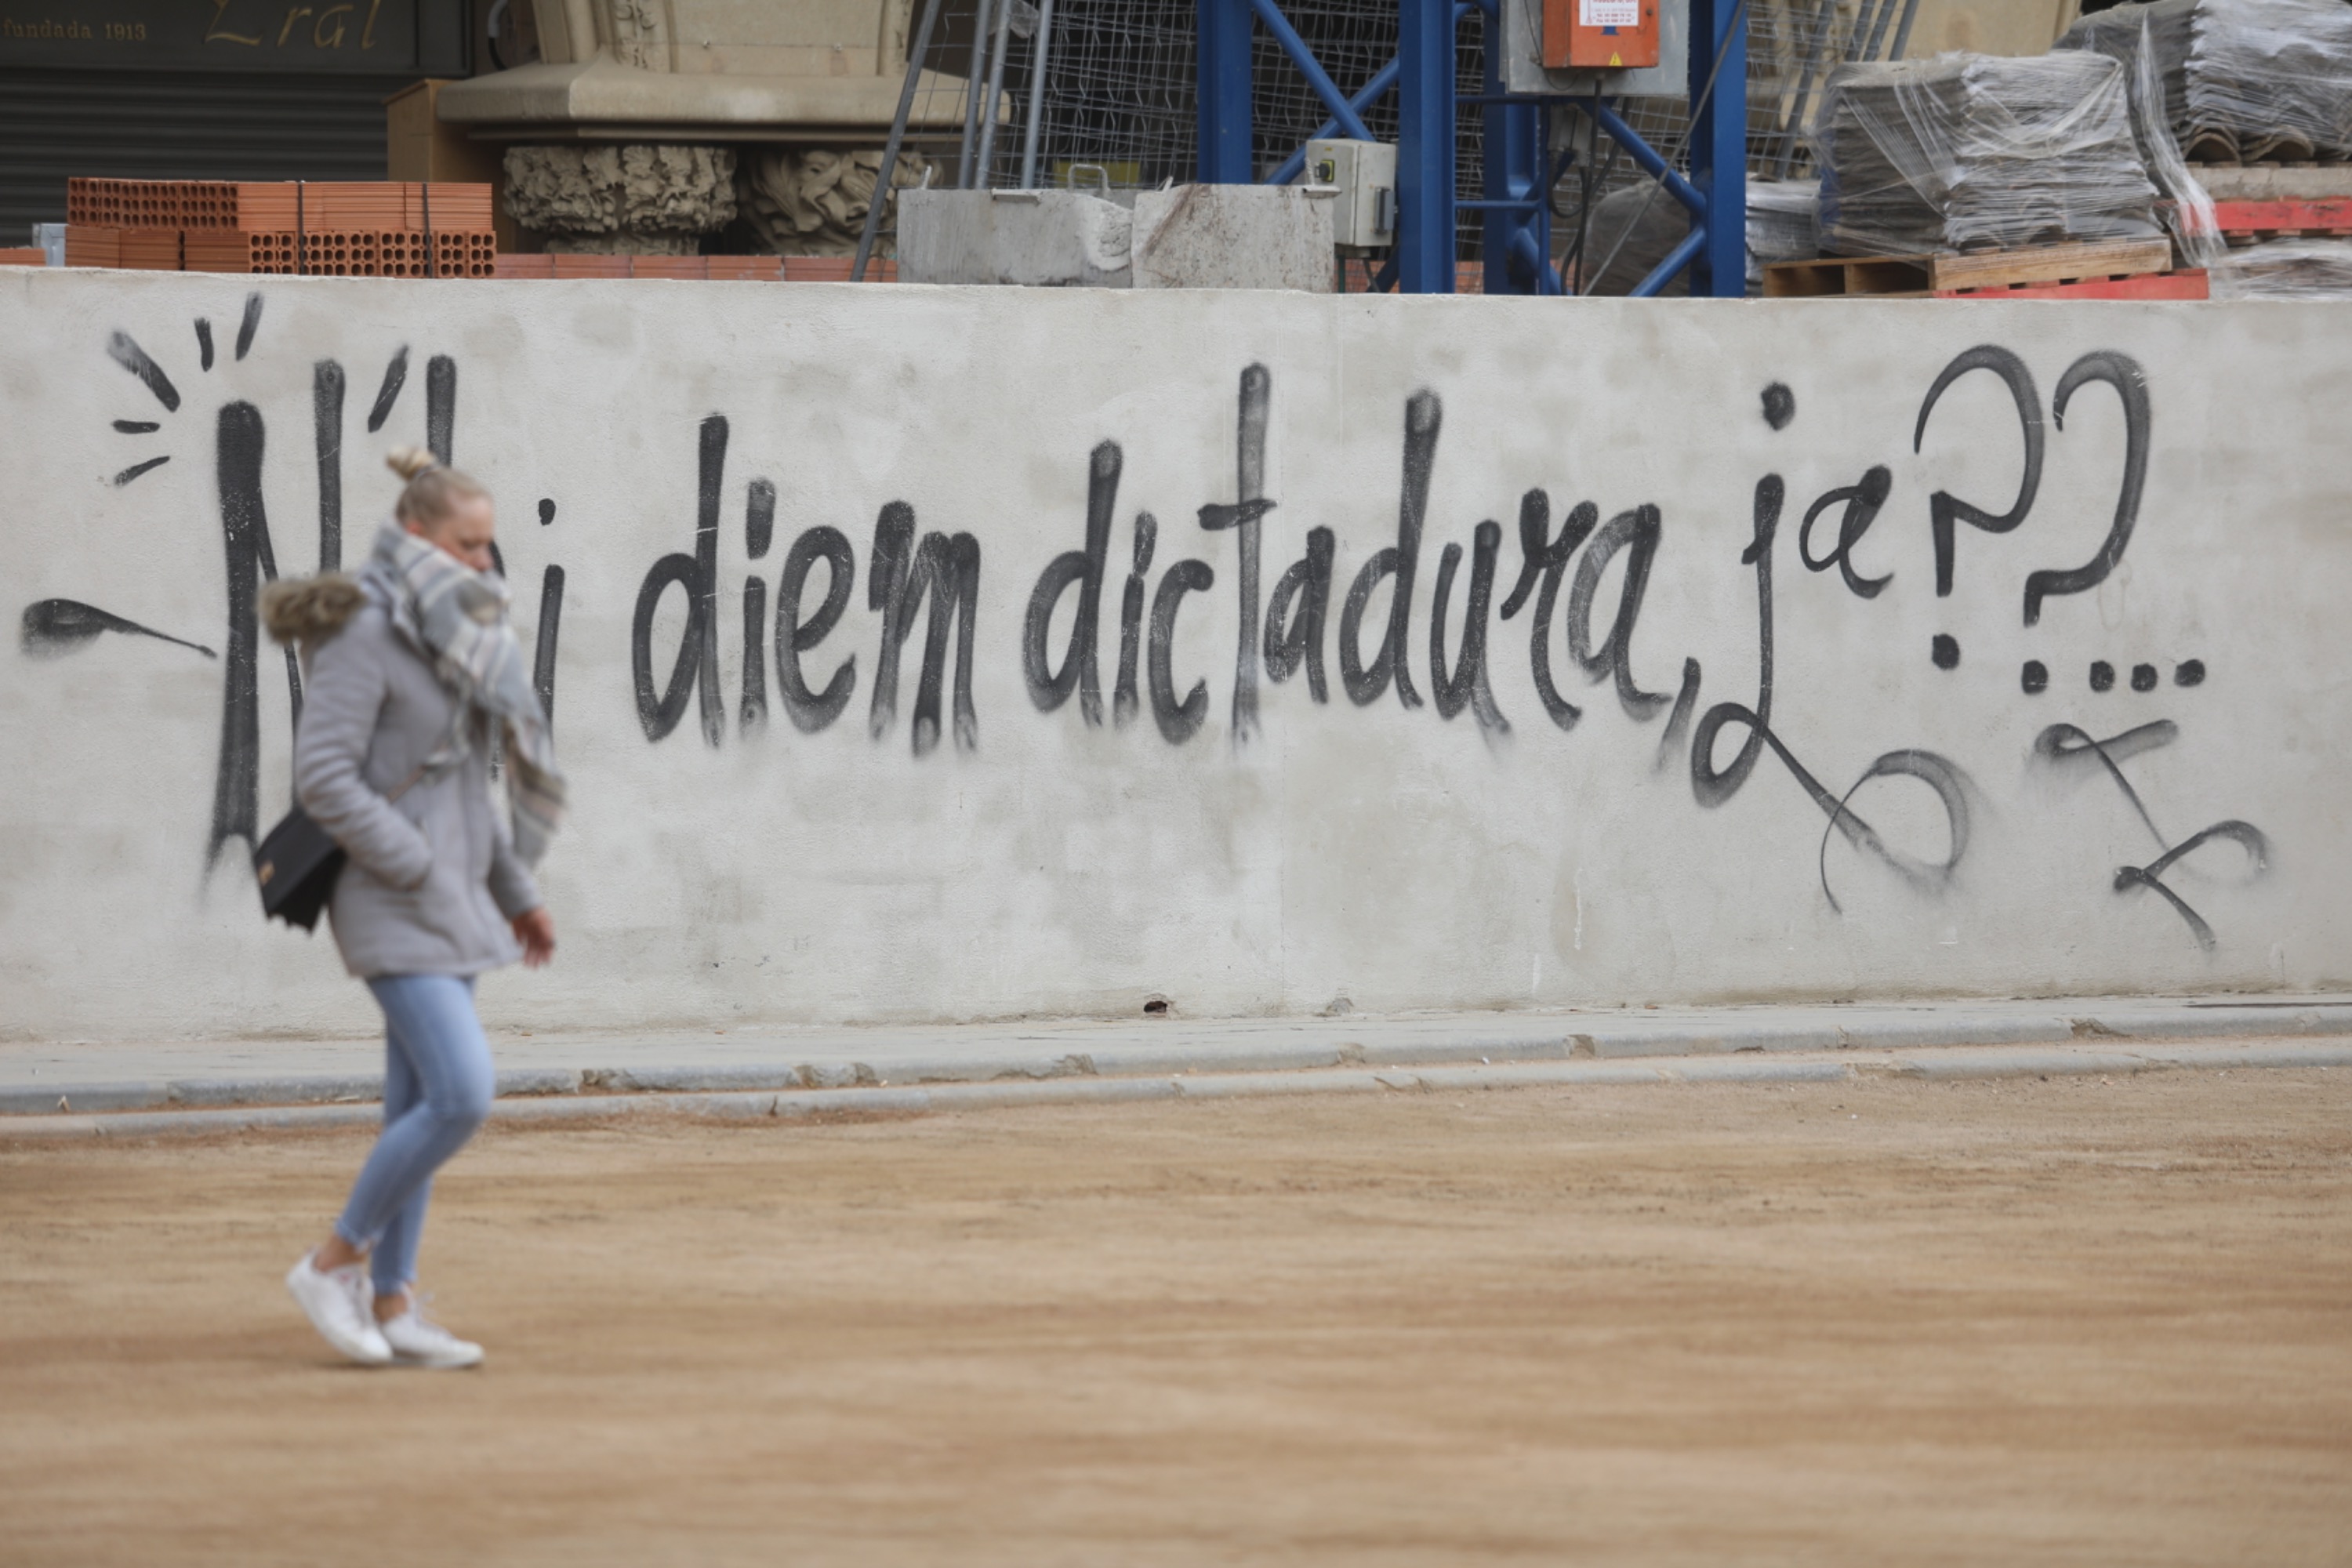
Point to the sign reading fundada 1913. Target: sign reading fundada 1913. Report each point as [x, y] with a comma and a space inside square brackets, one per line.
[360, 36]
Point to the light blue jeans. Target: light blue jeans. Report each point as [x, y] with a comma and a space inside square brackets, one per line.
[437, 1084]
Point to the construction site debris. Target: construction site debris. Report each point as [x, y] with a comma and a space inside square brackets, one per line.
[1974, 152]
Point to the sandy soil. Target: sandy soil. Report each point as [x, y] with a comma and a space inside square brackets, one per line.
[2065, 1322]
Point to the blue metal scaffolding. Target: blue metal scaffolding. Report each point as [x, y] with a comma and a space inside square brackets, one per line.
[1514, 202]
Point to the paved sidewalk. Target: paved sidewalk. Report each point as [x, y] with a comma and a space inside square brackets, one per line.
[53, 1088]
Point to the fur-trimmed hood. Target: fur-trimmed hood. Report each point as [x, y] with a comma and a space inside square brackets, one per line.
[311, 610]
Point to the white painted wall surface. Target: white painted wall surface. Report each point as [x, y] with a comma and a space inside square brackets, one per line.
[1380, 853]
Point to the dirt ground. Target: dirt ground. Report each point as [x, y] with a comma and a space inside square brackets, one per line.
[2041, 1322]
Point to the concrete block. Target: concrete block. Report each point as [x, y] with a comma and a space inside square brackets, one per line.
[1351, 868]
[1049, 238]
[1235, 236]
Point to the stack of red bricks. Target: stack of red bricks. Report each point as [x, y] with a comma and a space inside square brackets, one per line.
[342, 228]
[719, 268]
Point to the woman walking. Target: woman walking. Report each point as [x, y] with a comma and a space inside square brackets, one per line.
[413, 677]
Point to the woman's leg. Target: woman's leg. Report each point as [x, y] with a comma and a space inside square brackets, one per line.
[430, 1019]
[393, 1261]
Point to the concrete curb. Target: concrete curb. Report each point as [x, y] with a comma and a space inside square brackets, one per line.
[1967, 1062]
[1301, 1044]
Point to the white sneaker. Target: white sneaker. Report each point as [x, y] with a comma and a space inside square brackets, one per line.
[338, 1302]
[417, 1341]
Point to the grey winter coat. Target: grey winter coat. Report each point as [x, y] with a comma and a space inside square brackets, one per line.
[433, 878]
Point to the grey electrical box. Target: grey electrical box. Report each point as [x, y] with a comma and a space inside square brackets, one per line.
[1363, 214]
[1523, 67]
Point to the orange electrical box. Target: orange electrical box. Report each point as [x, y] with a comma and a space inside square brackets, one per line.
[1600, 34]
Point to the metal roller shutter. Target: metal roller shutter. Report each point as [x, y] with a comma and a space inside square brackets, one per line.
[180, 125]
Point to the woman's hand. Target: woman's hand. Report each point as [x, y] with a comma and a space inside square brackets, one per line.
[535, 930]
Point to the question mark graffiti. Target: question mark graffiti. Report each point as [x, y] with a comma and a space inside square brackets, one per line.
[2130, 382]
[1944, 510]
[2065, 746]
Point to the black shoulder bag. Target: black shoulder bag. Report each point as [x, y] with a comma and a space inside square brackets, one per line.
[297, 864]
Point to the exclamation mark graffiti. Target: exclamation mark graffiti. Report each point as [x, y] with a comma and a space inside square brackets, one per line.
[550, 620]
[759, 532]
[327, 419]
[245, 543]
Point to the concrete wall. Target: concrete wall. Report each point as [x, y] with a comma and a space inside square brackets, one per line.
[1447, 841]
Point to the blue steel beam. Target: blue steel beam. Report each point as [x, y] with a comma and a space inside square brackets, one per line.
[1677, 259]
[1223, 92]
[1310, 68]
[1366, 96]
[1425, 243]
[1718, 145]
[1382, 79]
[1516, 230]
[1644, 154]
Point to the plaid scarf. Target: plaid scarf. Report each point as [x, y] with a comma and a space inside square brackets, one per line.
[457, 617]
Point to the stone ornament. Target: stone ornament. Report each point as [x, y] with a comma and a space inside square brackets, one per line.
[649, 200]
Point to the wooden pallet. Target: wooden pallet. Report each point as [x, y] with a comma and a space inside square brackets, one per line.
[1837, 277]
[2247, 221]
[1944, 273]
[2192, 284]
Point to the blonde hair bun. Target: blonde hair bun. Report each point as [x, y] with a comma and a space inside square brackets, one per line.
[409, 461]
[432, 488]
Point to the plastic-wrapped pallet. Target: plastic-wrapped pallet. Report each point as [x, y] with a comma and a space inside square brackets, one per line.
[2168, 25]
[1978, 151]
[2286, 269]
[1783, 223]
[2151, 42]
[2270, 80]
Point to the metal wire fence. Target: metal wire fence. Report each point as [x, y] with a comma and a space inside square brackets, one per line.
[1117, 100]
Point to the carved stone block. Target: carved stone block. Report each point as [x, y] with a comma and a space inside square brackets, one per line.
[651, 200]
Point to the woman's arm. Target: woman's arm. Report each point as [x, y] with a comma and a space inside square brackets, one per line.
[343, 698]
[516, 892]
[513, 886]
